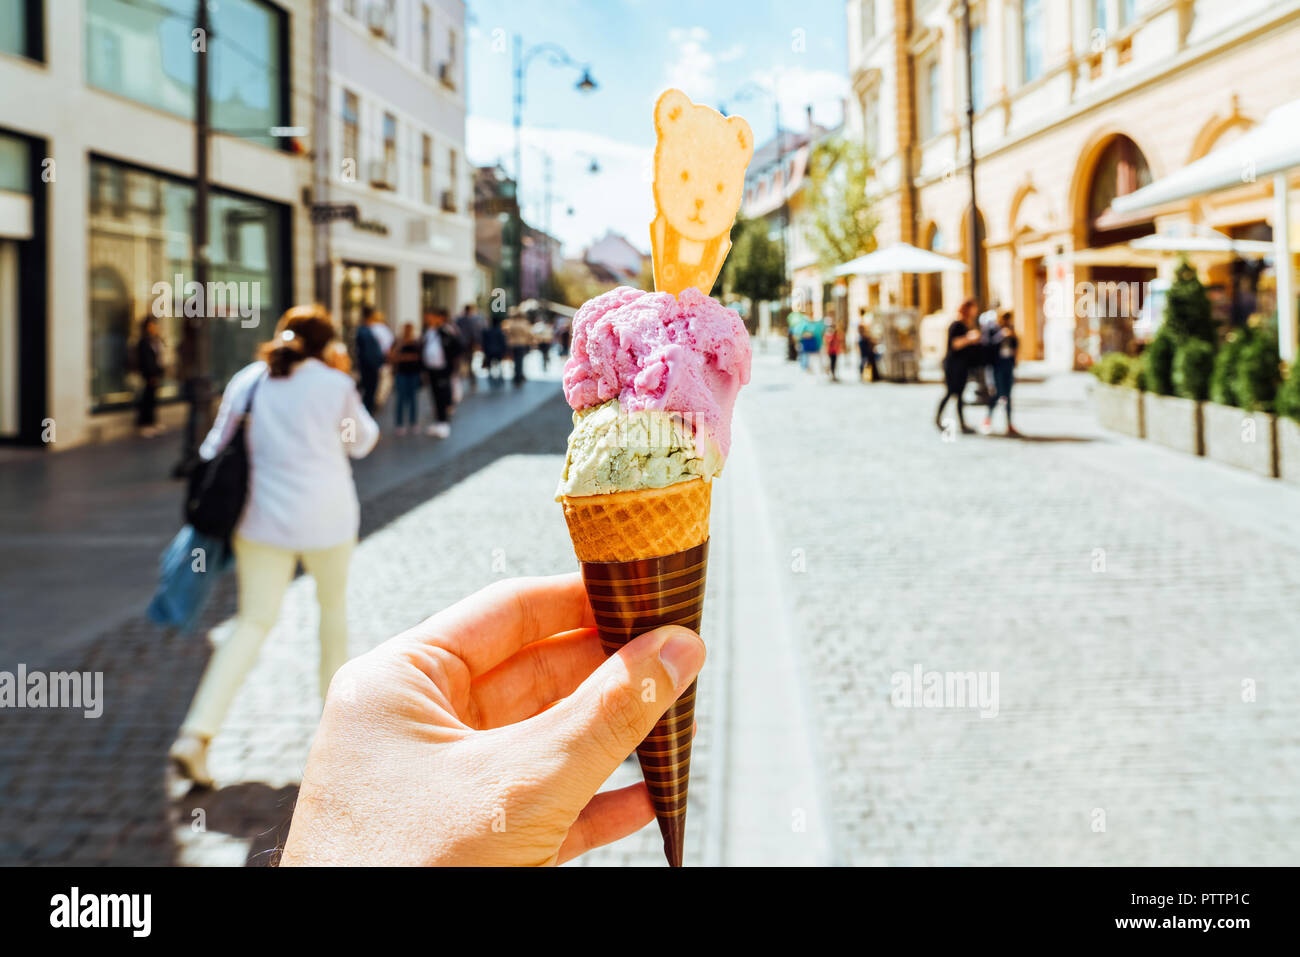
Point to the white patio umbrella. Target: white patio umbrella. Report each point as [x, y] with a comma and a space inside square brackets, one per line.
[898, 258]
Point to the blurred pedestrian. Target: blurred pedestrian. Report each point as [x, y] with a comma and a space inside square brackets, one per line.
[834, 346]
[470, 324]
[305, 420]
[374, 342]
[866, 348]
[149, 351]
[440, 348]
[961, 337]
[563, 327]
[406, 359]
[519, 339]
[494, 349]
[542, 336]
[1005, 345]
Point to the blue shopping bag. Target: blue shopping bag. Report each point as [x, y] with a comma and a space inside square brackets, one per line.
[187, 570]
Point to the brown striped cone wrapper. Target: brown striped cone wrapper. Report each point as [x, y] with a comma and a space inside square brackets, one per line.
[629, 599]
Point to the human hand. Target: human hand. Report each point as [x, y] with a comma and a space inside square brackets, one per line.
[480, 736]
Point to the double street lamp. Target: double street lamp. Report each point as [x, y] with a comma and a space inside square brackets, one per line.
[752, 91]
[558, 57]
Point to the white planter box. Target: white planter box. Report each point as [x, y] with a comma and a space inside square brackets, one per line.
[1173, 421]
[1118, 408]
[1240, 438]
[1288, 449]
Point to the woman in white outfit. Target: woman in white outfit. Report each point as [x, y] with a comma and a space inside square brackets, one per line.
[306, 421]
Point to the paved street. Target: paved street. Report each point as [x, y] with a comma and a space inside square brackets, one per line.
[1121, 593]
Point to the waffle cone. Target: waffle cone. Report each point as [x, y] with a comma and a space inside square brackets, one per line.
[644, 559]
[646, 523]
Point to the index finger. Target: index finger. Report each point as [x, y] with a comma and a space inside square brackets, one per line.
[490, 625]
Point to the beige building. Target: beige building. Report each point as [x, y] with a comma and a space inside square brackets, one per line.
[1076, 102]
[97, 190]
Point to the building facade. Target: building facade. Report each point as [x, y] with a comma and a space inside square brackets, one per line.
[97, 167]
[1076, 102]
[775, 191]
[396, 94]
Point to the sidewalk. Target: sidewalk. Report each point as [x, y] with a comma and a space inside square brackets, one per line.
[98, 517]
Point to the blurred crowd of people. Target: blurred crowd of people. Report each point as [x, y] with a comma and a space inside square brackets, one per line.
[981, 347]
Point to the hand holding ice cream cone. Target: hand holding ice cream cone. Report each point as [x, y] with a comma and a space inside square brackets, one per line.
[653, 379]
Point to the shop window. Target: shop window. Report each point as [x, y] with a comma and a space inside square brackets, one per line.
[140, 235]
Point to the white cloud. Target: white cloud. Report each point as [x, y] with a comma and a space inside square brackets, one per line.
[694, 69]
[619, 197]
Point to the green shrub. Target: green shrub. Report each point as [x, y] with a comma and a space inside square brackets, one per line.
[1259, 372]
[1116, 368]
[1187, 307]
[1288, 396]
[1158, 361]
[1223, 380]
[1193, 366]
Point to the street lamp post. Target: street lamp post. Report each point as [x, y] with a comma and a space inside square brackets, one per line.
[752, 91]
[194, 345]
[976, 279]
[556, 56]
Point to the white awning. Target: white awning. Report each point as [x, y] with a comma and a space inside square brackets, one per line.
[1272, 147]
[1198, 238]
[898, 258]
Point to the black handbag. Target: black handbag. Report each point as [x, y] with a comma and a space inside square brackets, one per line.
[218, 487]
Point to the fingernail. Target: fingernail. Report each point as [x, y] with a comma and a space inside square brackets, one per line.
[682, 656]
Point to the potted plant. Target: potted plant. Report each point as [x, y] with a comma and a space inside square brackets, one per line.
[1238, 426]
[1178, 363]
[1167, 417]
[1117, 393]
[1288, 426]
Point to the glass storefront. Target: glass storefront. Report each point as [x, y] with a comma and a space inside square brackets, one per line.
[140, 228]
[144, 51]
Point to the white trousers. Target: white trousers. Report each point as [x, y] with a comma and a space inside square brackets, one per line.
[264, 572]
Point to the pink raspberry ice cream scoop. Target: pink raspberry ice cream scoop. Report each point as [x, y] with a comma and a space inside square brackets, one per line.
[656, 351]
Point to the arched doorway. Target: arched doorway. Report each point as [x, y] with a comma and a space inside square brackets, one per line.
[1112, 299]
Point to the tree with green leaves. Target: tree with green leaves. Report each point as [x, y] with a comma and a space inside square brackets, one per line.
[755, 268]
[841, 211]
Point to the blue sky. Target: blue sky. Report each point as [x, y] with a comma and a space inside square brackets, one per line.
[636, 49]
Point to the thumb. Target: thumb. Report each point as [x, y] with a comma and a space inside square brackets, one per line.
[601, 723]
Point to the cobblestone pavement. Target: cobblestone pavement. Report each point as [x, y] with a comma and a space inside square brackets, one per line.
[1121, 593]
[1127, 596]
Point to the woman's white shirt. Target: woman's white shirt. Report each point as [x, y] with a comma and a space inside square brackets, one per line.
[302, 431]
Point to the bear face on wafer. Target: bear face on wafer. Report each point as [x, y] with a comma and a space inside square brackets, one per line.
[700, 161]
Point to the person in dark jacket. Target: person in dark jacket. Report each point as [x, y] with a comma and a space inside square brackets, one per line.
[494, 349]
[374, 342]
[1005, 345]
[956, 363]
[440, 351]
[149, 364]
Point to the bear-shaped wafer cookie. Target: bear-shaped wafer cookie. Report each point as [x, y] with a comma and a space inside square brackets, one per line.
[700, 160]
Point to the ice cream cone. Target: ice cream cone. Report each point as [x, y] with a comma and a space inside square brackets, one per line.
[646, 523]
[644, 557]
